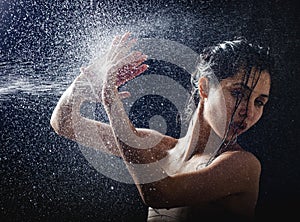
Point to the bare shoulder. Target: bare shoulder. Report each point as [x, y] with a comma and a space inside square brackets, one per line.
[241, 158]
[243, 164]
[232, 174]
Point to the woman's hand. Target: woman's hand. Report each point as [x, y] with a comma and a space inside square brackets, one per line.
[92, 77]
[123, 66]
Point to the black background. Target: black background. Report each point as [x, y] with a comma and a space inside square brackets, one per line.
[46, 177]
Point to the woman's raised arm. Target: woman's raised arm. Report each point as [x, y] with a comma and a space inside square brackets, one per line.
[66, 119]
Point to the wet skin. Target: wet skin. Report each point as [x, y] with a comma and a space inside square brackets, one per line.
[251, 97]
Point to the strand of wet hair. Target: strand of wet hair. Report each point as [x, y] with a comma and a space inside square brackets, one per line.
[237, 103]
[216, 152]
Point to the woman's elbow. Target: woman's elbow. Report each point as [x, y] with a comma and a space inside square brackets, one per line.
[156, 196]
[153, 201]
[54, 123]
[58, 124]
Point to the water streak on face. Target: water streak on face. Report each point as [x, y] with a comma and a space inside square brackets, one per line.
[252, 95]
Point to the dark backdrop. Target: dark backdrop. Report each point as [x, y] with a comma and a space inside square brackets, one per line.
[46, 177]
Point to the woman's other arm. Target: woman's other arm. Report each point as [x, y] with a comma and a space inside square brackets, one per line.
[66, 119]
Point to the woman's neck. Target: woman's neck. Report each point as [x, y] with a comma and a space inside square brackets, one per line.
[200, 137]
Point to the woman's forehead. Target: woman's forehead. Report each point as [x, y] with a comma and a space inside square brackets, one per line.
[257, 81]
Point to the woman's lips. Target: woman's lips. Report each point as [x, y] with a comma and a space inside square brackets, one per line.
[238, 127]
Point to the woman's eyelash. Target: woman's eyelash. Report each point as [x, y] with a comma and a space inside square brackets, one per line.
[259, 103]
[237, 93]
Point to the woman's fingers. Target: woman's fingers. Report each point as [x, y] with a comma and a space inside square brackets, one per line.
[124, 95]
[122, 51]
[125, 37]
[120, 40]
[134, 59]
[113, 48]
[120, 47]
[139, 70]
[124, 66]
[130, 72]
[116, 40]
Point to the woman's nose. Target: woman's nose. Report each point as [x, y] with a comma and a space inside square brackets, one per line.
[246, 110]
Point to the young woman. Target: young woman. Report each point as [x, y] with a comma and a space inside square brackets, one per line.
[204, 173]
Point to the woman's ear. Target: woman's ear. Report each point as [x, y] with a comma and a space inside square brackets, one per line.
[203, 86]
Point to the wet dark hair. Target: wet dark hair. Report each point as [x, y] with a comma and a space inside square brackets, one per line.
[226, 60]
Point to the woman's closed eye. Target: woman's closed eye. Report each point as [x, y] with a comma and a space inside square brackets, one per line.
[238, 93]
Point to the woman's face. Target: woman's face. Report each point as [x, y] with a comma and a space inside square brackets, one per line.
[220, 105]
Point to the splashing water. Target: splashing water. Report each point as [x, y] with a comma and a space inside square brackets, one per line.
[43, 54]
[66, 41]
[42, 47]
[23, 77]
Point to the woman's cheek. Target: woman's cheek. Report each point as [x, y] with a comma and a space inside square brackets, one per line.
[218, 113]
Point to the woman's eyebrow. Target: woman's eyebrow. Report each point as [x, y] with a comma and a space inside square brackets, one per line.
[248, 88]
